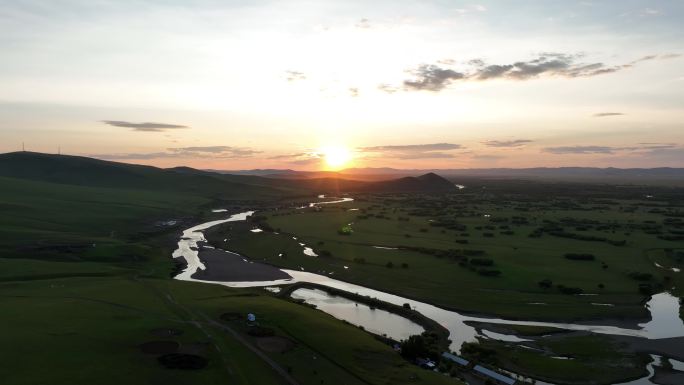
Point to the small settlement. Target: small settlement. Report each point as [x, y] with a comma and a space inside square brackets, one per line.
[488, 375]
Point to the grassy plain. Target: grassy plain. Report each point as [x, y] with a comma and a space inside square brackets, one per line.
[85, 271]
[404, 224]
[570, 359]
[85, 280]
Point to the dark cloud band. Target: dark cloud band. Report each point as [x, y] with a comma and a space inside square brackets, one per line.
[431, 77]
[144, 127]
[506, 143]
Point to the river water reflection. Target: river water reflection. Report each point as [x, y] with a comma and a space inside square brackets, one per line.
[376, 321]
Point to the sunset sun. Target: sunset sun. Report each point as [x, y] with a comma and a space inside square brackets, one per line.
[336, 157]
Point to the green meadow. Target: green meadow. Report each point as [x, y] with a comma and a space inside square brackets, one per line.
[86, 288]
[403, 266]
[85, 285]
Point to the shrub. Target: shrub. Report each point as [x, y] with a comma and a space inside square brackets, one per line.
[345, 230]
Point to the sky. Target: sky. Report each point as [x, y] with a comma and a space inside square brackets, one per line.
[330, 84]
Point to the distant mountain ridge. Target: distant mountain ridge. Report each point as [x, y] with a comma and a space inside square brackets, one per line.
[84, 171]
[534, 172]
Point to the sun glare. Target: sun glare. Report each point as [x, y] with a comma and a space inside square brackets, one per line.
[336, 157]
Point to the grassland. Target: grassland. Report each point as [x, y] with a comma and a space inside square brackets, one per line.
[85, 281]
[569, 359]
[88, 330]
[432, 245]
[85, 272]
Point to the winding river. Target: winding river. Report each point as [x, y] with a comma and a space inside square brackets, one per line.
[664, 307]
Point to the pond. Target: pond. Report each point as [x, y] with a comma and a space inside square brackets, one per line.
[376, 321]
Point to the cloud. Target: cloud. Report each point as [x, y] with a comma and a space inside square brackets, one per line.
[604, 114]
[507, 143]
[641, 148]
[299, 158]
[657, 146]
[291, 156]
[215, 151]
[209, 152]
[387, 88]
[364, 24]
[144, 127]
[551, 64]
[580, 150]
[487, 157]
[293, 76]
[432, 77]
[413, 151]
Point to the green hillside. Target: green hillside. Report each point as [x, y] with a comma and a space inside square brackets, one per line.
[82, 171]
[85, 282]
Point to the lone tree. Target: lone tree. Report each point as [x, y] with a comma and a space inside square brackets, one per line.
[414, 347]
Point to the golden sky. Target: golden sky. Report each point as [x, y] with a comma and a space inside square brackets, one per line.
[405, 84]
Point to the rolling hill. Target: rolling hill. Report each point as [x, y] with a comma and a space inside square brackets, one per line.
[83, 171]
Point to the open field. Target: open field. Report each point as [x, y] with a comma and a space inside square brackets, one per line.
[85, 281]
[104, 320]
[440, 249]
[570, 359]
[85, 270]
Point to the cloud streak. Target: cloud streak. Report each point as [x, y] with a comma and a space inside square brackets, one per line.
[215, 151]
[208, 152]
[584, 150]
[506, 143]
[413, 151]
[293, 76]
[563, 150]
[299, 158]
[144, 127]
[432, 77]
